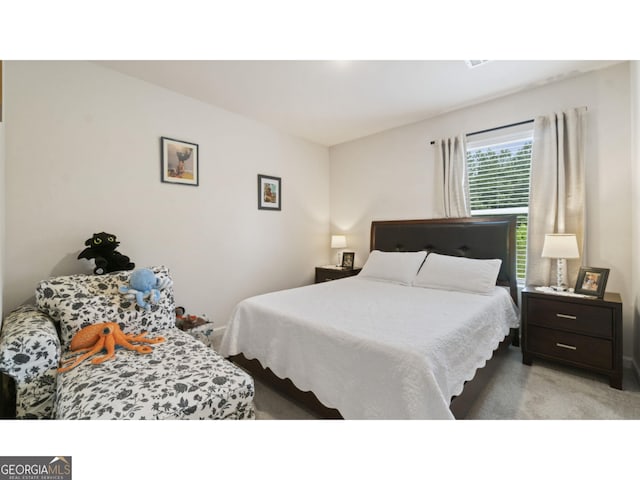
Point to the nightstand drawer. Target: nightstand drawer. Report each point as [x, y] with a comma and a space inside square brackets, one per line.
[591, 320]
[327, 275]
[595, 352]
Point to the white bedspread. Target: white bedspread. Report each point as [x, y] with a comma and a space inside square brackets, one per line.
[373, 350]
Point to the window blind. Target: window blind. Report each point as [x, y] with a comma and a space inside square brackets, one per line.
[499, 169]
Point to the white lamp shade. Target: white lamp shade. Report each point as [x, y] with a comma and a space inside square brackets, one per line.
[338, 241]
[560, 245]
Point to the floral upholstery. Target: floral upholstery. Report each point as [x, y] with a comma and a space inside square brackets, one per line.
[204, 333]
[29, 353]
[77, 301]
[181, 378]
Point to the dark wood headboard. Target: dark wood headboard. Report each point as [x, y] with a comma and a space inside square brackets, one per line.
[475, 237]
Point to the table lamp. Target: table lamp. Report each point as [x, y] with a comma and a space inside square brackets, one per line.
[560, 246]
[338, 241]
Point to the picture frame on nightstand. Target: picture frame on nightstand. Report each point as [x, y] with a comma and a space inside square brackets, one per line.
[592, 281]
[348, 259]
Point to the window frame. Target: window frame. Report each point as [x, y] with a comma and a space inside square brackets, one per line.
[493, 138]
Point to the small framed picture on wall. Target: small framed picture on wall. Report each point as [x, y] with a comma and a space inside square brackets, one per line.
[269, 192]
[179, 161]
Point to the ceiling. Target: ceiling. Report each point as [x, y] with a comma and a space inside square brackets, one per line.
[331, 102]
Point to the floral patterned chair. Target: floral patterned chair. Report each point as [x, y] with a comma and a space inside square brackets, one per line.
[180, 379]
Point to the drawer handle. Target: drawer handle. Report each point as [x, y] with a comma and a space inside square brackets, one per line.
[562, 315]
[568, 347]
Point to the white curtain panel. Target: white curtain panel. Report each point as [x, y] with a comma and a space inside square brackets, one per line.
[452, 181]
[557, 193]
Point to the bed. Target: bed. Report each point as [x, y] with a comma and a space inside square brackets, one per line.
[396, 341]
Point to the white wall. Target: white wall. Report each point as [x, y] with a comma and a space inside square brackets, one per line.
[635, 203]
[2, 191]
[2, 213]
[389, 175]
[82, 156]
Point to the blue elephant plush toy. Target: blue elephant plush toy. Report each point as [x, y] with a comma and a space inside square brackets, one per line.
[145, 287]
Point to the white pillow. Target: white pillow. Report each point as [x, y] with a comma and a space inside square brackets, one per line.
[461, 274]
[394, 267]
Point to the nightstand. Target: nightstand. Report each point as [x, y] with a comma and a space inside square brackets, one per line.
[577, 331]
[331, 272]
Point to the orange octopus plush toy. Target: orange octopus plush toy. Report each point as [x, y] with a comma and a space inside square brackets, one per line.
[104, 336]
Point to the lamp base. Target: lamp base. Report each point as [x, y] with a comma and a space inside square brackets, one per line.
[561, 275]
[559, 288]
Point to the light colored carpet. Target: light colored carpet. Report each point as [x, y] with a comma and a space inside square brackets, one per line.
[516, 392]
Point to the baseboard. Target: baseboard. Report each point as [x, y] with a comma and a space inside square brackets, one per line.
[635, 368]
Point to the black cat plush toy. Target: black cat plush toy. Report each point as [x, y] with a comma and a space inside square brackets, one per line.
[102, 248]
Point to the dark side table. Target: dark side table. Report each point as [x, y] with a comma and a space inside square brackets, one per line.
[331, 272]
[577, 331]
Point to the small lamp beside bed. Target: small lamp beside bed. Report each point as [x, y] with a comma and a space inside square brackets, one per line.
[338, 241]
[560, 246]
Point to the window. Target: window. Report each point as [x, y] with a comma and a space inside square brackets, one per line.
[499, 165]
